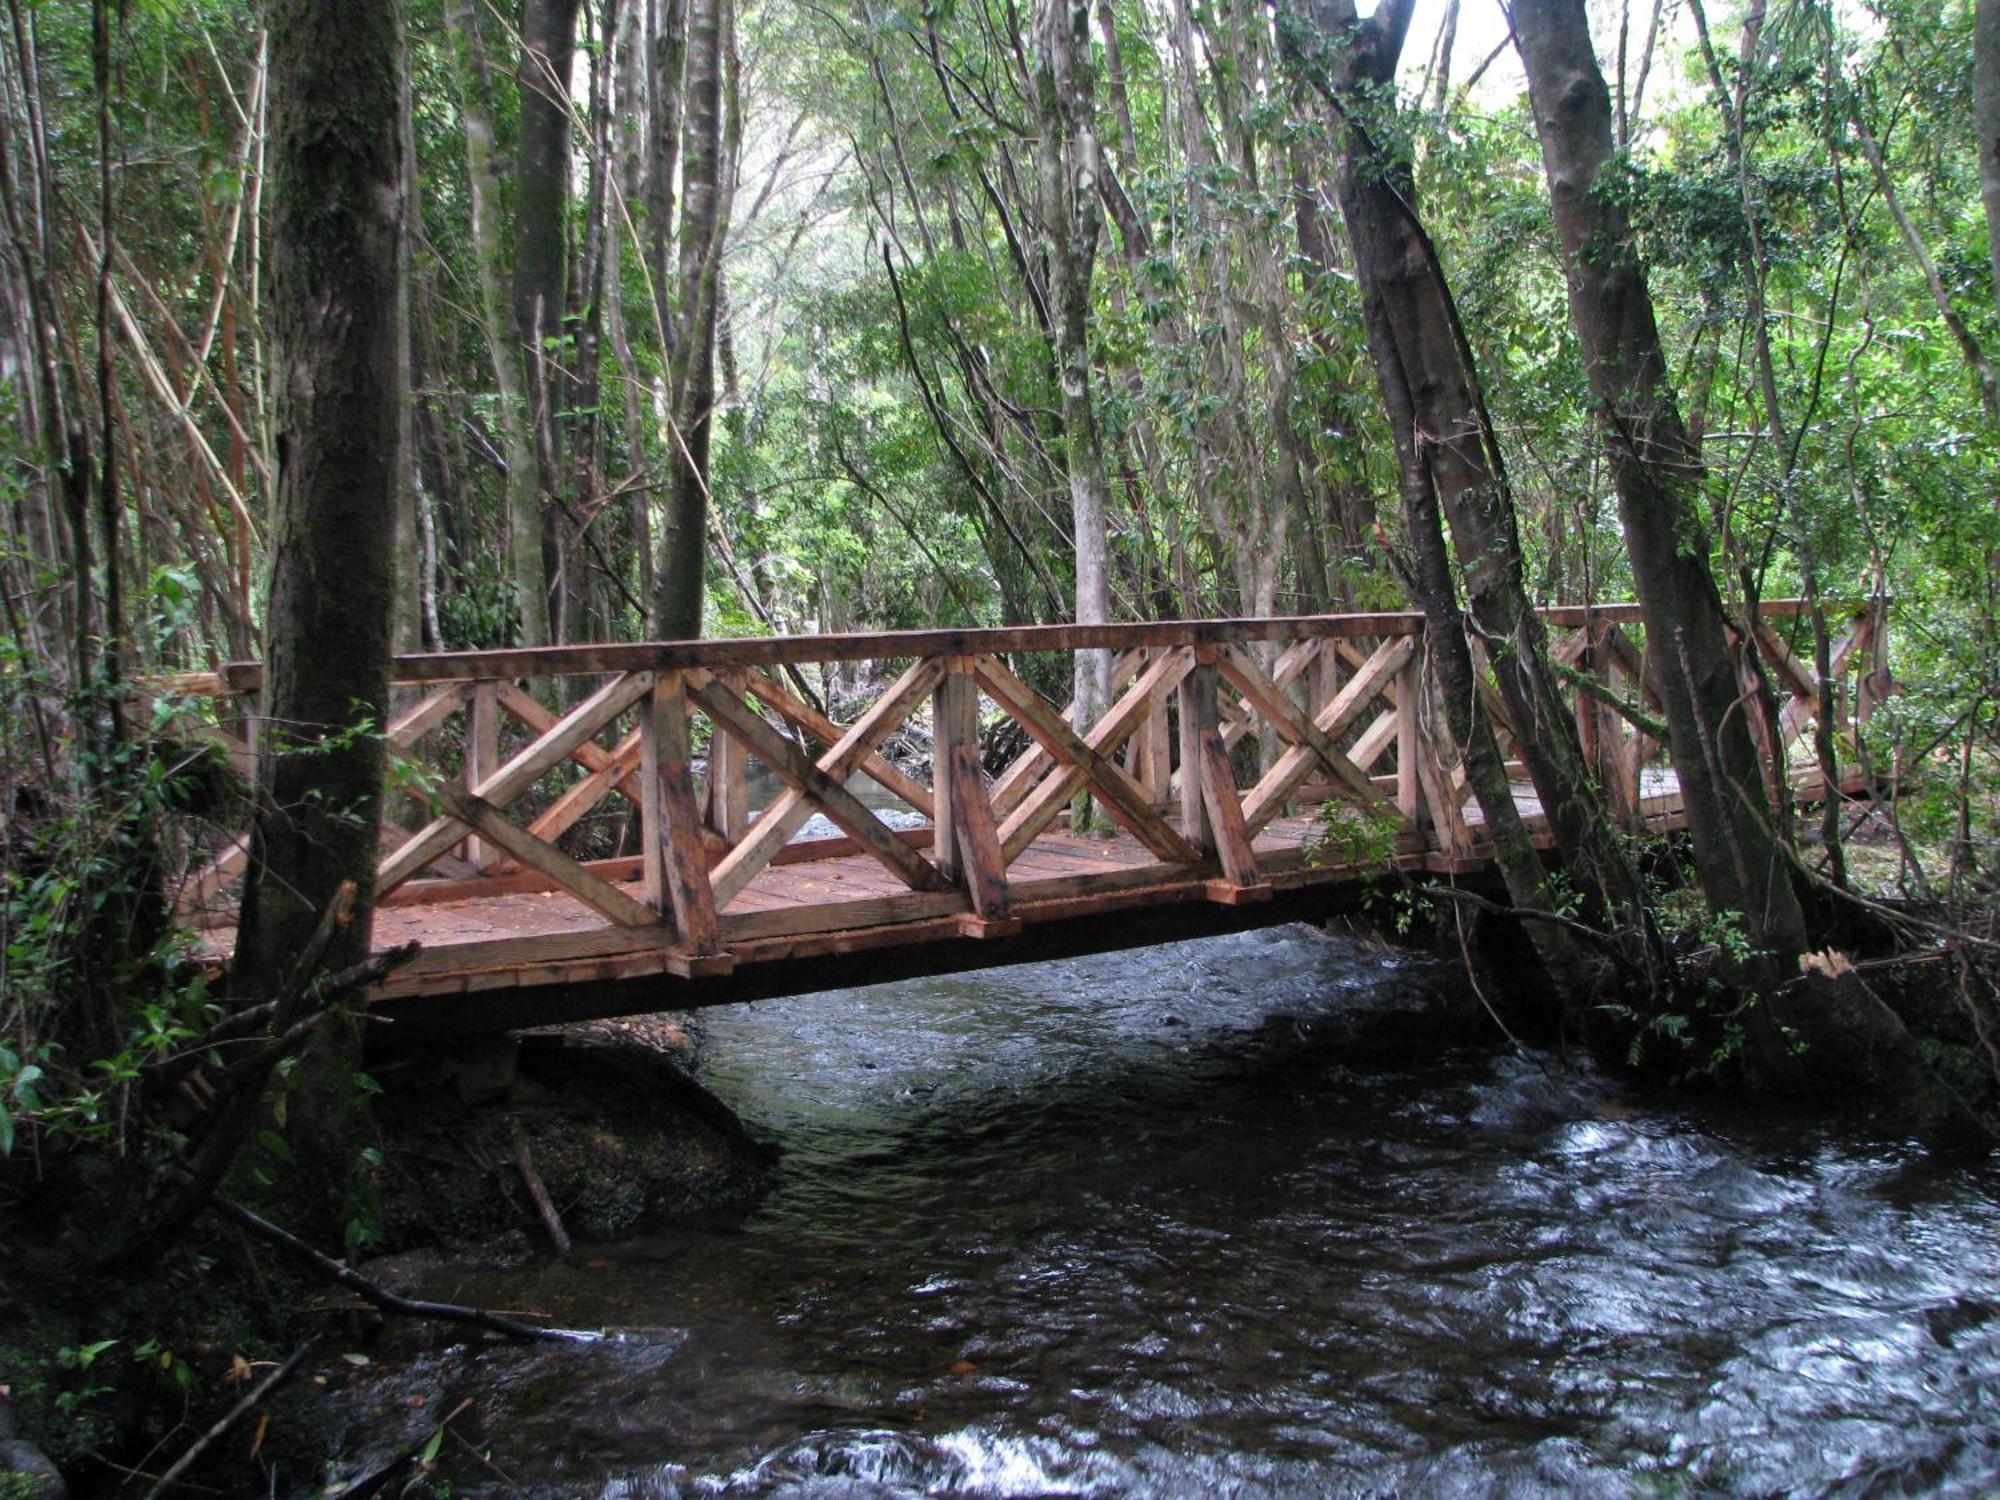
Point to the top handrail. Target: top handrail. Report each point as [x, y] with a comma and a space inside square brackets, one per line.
[510, 663]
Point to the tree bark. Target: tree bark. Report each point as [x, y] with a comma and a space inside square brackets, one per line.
[335, 207]
[1068, 173]
[524, 504]
[1986, 121]
[1657, 471]
[680, 577]
[541, 206]
[1450, 461]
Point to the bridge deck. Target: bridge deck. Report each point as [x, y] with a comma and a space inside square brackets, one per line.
[833, 921]
[520, 925]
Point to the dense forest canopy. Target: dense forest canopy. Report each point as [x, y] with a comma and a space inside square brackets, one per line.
[888, 437]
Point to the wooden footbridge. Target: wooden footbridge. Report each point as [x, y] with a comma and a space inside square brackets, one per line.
[602, 857]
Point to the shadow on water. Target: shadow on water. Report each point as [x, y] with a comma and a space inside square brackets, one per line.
[1246, 1215]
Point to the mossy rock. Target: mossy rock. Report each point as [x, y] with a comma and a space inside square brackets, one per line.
[618, 1131]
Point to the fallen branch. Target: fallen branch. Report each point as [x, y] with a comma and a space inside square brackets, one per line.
[379, 1296]
[544, 1205]
[228, 1420]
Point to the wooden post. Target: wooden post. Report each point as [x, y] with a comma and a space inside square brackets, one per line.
[482, 759]
[726, 793]
[1224, 805]
[1208, 783]
[954, 722]
[1588, 721]
[983, 870]
[1324, 678]
[1155, 750]
[1198, 709]
[1409, 738]
[675, 864]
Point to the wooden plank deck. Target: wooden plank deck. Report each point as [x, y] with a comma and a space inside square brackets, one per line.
[526, 957]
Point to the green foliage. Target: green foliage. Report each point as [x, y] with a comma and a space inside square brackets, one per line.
[1347, 833]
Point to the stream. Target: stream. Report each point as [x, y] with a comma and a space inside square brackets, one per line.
[1239, 1216]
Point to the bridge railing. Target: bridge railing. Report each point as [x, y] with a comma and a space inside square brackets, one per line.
[620, 775]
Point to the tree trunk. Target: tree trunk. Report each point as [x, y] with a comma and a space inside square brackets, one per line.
[335, 206]
[1446, 446]
[680, 579]
[407, 565]
[1656, 470]
[1986, 121]
[524, 505]
[1067, 176]
[541, 204]
[1814, 1026]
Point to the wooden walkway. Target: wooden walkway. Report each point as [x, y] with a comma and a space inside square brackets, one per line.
[570, 862]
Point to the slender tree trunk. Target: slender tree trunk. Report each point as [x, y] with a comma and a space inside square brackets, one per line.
[680, 579]
[669, 34]
[541, 204]
[335, 205]
[524, 506]
[1986, 121]
[1425, 365]
[1068, 172]
[407, 562]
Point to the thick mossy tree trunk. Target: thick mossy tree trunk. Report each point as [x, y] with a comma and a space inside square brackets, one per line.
[335, 208]
[1451, 471]
[1818, 1027]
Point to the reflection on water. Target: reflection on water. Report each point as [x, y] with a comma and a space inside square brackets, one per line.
[1158, 1223]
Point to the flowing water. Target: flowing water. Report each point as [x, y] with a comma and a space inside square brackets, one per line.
[1191, 1221]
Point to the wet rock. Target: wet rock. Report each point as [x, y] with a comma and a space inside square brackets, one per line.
[26, 1472]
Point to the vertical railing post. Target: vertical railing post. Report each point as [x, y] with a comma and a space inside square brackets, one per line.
[1588, 720]
[1155, 753]
[1324, 676]
[1199, 711]
[966, 843]
[1872, 680]
[482, 758]
[1209, 783]
[675, 866]
[1611, 757]
[1409, 686]
[954, 722]
[727, 790]
[1767, 736]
